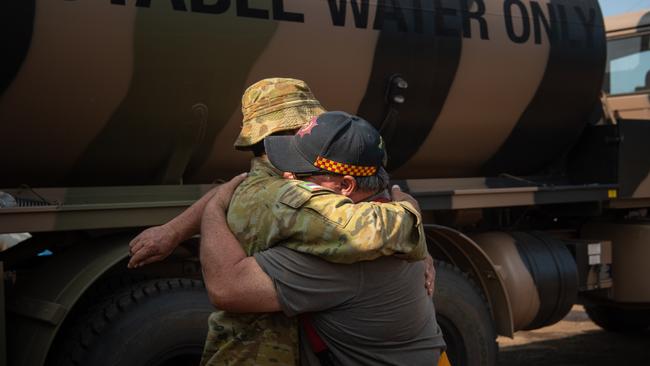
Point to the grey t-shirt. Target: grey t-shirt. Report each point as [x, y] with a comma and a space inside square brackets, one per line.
[368, 313]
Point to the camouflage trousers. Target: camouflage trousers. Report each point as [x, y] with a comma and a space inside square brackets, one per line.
[250, 339]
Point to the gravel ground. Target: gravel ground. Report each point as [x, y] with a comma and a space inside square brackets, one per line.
[574, 341]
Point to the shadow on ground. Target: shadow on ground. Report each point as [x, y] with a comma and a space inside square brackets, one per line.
[591, 347]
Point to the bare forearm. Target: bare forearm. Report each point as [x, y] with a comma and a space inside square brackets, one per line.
[220, 250]
[188, 223]
[234, 282]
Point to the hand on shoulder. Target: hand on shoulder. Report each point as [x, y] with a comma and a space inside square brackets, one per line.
[398, 195]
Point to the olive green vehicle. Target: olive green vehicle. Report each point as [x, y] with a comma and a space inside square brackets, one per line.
[117, 114]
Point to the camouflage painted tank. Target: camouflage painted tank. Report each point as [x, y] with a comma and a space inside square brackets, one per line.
[123, 92]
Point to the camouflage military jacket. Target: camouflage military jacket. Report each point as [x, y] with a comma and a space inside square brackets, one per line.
[267, 210]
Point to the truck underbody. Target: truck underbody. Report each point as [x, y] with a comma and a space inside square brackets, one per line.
[512, 253]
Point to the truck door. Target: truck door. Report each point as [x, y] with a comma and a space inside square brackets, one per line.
[627, 79]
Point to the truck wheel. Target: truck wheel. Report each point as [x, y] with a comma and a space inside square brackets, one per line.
[160, 322]
[615, 319]
[464, 318]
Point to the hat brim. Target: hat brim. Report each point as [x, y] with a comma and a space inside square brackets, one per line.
[291, 118]
[285, 156]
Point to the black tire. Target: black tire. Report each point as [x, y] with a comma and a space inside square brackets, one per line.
[464, 318]
[616, 319]
[155, 323]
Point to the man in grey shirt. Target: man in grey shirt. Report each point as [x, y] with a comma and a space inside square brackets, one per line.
[373, 312]
[367, 313]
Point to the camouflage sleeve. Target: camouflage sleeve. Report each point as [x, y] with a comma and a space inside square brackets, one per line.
[332, 227]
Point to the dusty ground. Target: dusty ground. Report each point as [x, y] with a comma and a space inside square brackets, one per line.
[574, 341]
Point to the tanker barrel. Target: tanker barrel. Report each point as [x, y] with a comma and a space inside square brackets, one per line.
[102, 93]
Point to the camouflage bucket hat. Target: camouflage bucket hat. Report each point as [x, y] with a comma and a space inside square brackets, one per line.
[274, 105]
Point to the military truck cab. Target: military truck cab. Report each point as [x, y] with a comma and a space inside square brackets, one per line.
[627, 78]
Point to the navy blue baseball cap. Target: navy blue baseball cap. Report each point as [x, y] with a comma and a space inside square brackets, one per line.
[335, 142]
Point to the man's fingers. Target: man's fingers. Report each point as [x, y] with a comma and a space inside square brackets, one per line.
[229, 187]
[429, 275]
[136, 247]
[153, 259]
[134, 241]
[142, 255]
[236, 180]
[132, 263]
[396, 193]
[428, 285]
[224, 192]
[135, 259]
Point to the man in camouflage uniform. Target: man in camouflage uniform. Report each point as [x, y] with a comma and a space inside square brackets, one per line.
[338, 151]
[272, 106]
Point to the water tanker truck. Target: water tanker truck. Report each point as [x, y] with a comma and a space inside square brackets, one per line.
[118, 114]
